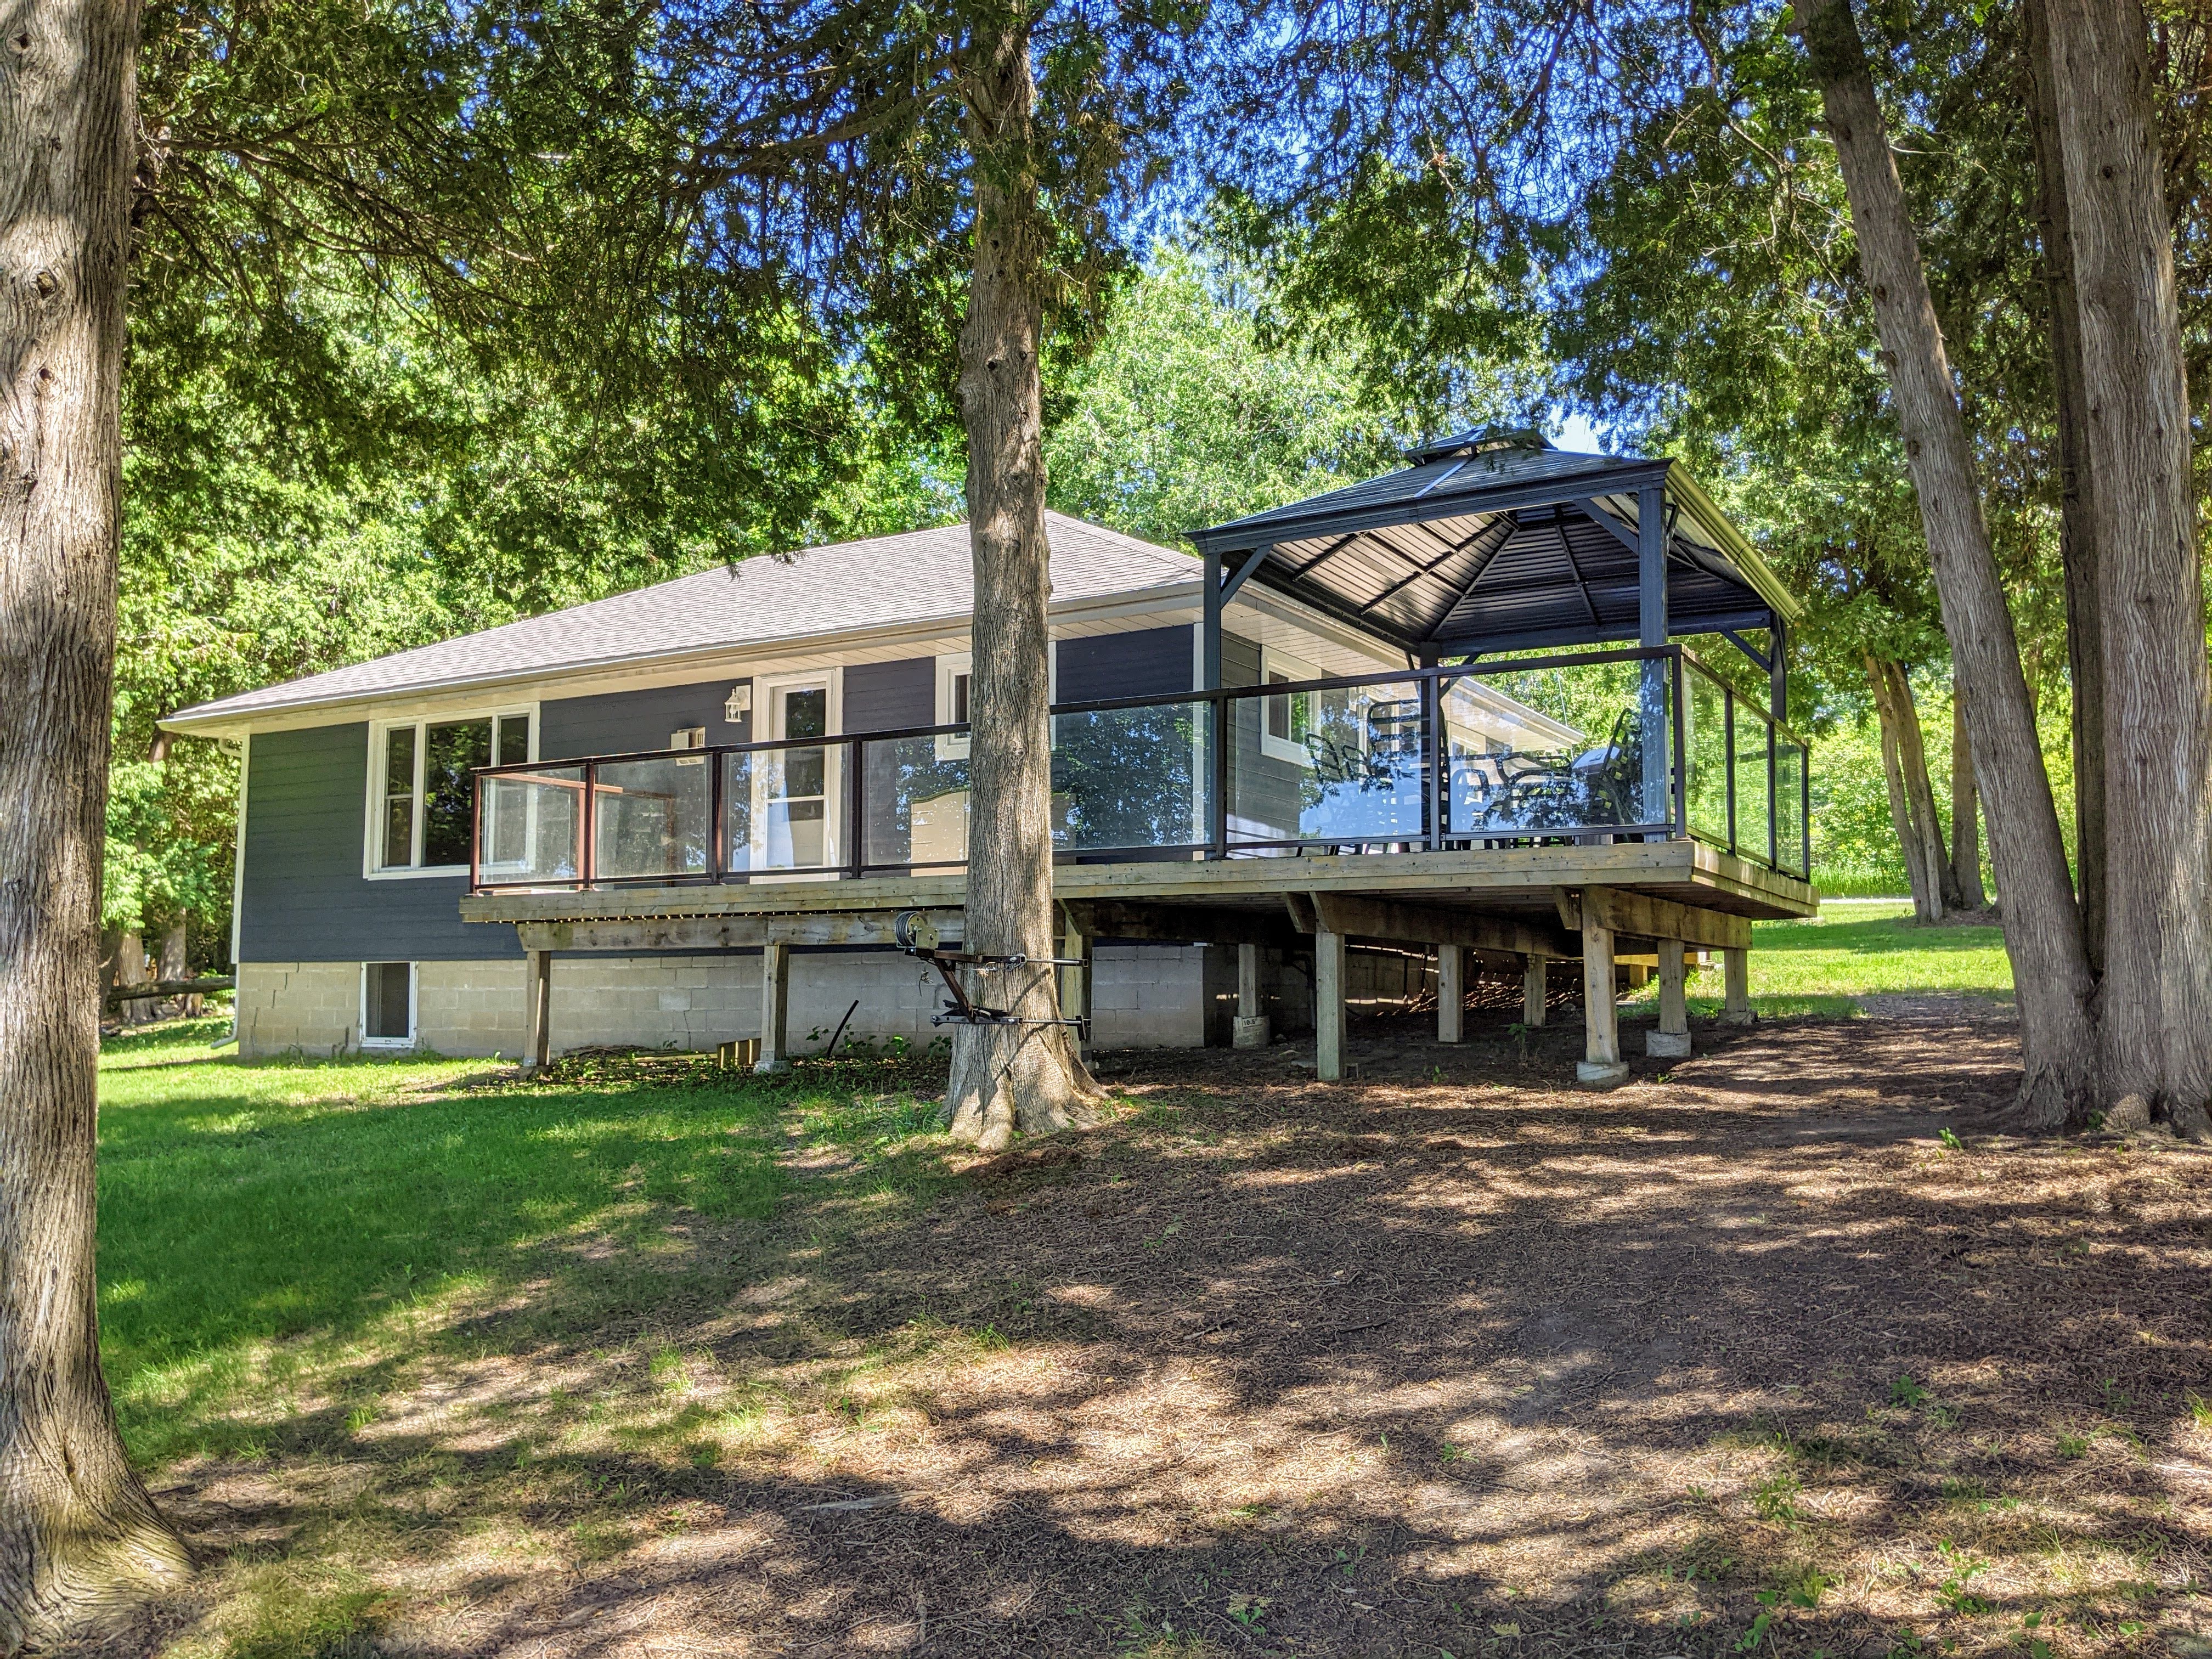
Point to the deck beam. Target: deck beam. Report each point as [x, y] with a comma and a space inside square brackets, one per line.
[1672, 1039]
[1429, 924]
[775, 1008]
[538, 1009]
[1602, 1066]
[1328, 1006]
[1535, 989]
[725, 933]
[1179, 924]
[1647, 917]
[1079, 944]
[1735, 971]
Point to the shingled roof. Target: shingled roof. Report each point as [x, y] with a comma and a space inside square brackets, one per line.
[922, 577]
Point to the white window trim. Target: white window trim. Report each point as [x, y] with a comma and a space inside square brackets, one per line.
[372, 834]
[951, 746]
[765, 686]
[413, 980]
[1281, 662]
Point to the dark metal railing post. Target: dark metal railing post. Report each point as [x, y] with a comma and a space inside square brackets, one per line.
[1805, 811]
[1436, 762]
[1682, 724]
[1773, 814]
[591, 823]
[715, 815]
[855, 861]
[1728, 745]
[1217, 715]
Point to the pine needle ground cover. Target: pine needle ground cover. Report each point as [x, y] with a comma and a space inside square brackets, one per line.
[1770, 1352]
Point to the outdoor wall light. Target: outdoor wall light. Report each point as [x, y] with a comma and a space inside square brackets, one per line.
[740, 703]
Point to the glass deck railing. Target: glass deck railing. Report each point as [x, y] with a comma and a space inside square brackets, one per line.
[1585, 746]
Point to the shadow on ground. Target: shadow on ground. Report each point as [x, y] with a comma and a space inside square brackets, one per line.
[1743, 1357]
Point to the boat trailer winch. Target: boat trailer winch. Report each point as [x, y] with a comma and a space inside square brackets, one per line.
[917, 935]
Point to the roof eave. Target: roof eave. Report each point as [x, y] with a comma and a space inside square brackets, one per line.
[213, 720]
[1242, 535]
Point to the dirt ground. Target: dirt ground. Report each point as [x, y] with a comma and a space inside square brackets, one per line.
[1743, 1357]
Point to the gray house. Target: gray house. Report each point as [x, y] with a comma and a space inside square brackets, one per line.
[1360, 746]
[357, 815]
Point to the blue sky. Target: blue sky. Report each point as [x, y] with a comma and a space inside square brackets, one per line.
[1576, 433]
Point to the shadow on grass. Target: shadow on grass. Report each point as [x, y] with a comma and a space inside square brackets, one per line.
[1452, 1360]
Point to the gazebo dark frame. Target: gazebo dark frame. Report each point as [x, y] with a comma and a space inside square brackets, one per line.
[1494, 541]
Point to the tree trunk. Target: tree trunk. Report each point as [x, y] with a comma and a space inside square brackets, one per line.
[2155, 1001]
[79, 1539]
[1022, 1077]
[130, 969]
[1965, 809]
[2042, 925]
[1912, 747]
[2077, 534]
[1927, 902]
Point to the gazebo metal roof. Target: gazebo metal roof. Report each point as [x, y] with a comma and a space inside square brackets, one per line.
[1496, 541]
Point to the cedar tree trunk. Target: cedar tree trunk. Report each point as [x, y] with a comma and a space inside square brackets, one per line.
[1912, 745]
[2077, 534]
[1965, 809]
[1021, 1078]
[2155, 1002]
[130, 969]
[2042, 925]
[1912, 837]
[79, 1539]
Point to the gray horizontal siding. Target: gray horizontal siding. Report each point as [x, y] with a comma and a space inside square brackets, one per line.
[305, 897]
[1154, 662]
[887, 697]
[631, 722]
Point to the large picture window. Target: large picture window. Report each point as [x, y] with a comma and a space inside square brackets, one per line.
[425, 811]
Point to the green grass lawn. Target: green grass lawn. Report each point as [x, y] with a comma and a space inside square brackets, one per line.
[270, 1231]
[300, 1260]
[1850, 950]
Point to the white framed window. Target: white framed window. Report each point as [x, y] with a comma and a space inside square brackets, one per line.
[1286, 720]
[421, 797]
[387, 1004]
[954, 676]
[796, 795]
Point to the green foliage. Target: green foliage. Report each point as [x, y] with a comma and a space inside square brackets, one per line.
[1187, 414]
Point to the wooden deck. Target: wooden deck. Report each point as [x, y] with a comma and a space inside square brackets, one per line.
[1505, 881]
[1648, 901]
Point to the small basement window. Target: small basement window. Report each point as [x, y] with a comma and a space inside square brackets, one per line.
[387, 1004]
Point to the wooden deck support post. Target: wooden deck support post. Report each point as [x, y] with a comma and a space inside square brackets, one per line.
[1672, 1039]
[1535, 988]
[1601, 1064]
[536, 1010]
[1735, 968]
[775, 1008]
[1329, 1006]
[1075, 983]
[1451, 993]
[1251, 1030]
